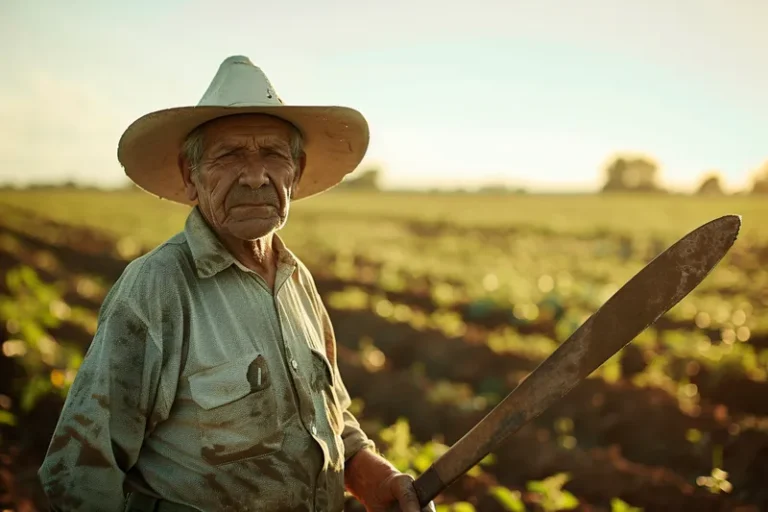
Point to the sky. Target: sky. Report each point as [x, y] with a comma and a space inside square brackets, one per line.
[538, 94]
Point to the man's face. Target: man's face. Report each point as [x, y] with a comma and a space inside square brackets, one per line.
[246, 176]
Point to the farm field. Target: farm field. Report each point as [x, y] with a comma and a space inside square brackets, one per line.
[441, 305]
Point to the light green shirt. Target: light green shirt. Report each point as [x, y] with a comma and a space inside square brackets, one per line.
[204, 387]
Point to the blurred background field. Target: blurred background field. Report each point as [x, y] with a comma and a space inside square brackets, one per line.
[442, 302]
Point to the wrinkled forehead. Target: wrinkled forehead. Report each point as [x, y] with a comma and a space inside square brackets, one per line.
[247, 128]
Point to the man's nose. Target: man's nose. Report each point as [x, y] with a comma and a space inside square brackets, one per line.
[254, 176]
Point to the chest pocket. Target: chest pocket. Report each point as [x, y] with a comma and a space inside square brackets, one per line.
[237, 411]
[323, 385]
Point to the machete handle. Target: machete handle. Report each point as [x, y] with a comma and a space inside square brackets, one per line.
[427, 486]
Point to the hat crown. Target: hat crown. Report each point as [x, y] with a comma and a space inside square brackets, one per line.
[336, 138]
[238, 82]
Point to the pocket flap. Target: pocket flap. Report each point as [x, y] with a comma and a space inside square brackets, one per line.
[225, 383]
[327, 364]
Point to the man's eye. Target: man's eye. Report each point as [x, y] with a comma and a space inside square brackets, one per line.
[228, 154]
[273, 152]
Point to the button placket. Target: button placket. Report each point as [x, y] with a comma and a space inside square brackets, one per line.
[307, 410]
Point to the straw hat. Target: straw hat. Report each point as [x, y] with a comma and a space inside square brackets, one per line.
[335, 138]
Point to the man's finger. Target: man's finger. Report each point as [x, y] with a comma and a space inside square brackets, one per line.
[406, 494]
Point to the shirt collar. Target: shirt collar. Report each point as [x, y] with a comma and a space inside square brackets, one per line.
[211, 256]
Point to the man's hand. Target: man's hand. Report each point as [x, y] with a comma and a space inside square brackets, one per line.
[380, 487]
[397, 493]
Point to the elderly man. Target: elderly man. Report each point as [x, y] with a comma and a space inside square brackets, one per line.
[211, 383]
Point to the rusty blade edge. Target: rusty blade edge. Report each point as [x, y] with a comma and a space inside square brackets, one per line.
[532, 401]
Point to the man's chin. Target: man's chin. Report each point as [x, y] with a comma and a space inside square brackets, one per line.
[251, 229]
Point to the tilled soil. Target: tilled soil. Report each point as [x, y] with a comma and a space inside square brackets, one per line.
[630, 441]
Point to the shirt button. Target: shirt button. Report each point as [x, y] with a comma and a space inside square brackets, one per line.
[294, 364]
[314, 430]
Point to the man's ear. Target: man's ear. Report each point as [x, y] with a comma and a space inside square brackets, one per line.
[300, 166]
[186, 176]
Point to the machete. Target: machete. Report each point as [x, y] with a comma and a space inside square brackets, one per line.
[660, 285]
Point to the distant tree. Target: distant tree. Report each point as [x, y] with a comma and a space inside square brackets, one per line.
[711, 185]
[760, 181]
[631, 173]
[367, 179]
[500, 188]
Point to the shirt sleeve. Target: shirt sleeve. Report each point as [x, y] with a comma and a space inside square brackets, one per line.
[353, 436]
[114, 400]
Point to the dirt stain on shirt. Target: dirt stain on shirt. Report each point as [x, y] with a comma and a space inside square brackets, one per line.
[102, 399]
[83, 420]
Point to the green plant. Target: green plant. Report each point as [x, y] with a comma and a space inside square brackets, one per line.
[458, 506]
[551, 496]
[509, 499]
[412, 457]
[617, 505]
[33, 308]
[716, 482]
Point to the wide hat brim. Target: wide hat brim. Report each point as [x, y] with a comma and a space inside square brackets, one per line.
[335, 141]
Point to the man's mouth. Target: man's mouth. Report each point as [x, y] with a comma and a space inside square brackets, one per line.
[256, 209]
[254, 205]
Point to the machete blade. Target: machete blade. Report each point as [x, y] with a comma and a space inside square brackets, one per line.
[639, 303]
